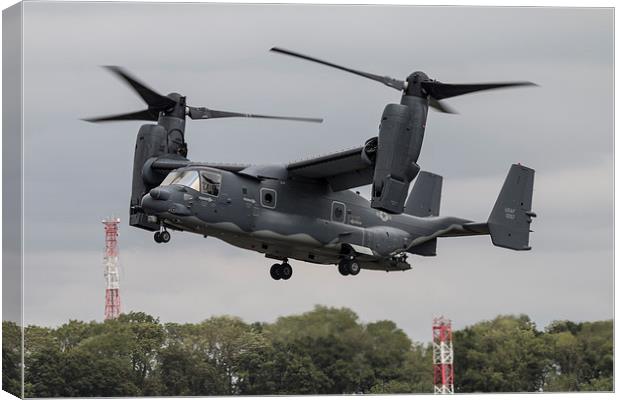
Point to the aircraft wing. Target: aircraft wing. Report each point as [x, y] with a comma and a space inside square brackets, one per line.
[165, 164]
[343, 170]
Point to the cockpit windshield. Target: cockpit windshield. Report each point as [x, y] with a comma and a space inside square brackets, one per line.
[185, 178]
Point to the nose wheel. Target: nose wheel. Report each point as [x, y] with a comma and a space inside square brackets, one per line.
[162, 237]
[282, 271]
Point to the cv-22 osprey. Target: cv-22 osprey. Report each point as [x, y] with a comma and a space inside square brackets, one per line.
[305, 210]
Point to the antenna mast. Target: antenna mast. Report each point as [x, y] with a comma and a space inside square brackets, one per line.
[443, 356]
[110, 269]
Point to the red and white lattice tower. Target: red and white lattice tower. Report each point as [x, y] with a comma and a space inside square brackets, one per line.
[443, 355]
[110, 269]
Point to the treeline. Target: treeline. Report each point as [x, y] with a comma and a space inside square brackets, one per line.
[509, 354]
[325, 351]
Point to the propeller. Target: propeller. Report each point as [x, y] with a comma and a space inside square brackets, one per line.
[144, 115]
[158, 103]
[416, 84]
[386, 80]
[206, 113]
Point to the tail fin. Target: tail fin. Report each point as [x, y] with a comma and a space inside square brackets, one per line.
[425, 197]
[424, 201]
[509, 222]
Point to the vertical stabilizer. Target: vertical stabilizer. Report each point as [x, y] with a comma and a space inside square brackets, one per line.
[425, 197]
[424, 201]
[509, 222]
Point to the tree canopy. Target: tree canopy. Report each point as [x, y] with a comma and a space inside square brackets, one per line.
[323, 351]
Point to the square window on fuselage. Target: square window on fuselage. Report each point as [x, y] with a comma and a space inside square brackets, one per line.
[338, 211]
[268, 198]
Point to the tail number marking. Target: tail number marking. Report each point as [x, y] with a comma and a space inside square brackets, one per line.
[510, 213]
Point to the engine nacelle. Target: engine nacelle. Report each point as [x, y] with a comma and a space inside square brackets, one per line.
[398, 150]
[152, 142]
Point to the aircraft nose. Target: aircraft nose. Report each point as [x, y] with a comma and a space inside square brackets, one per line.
[152, 205]
[157, 199]
[164, 200]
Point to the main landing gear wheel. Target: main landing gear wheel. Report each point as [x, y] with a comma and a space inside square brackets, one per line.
[342, 268]
[348, 266]
[157, 237]
[274, 271]
[354, 268]
[282, 271]
[286, 271]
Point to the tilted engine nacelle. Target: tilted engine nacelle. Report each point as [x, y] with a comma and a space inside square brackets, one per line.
[398, 148]
[152, 142]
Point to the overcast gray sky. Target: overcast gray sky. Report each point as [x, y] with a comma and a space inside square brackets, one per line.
[76, 172]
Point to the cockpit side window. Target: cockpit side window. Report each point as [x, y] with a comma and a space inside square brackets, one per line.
[210, 182]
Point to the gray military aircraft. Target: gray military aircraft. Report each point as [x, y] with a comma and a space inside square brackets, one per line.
[305, 210]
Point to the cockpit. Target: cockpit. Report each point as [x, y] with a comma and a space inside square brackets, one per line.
[207, 182]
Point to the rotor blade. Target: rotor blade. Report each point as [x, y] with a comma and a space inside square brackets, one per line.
[386, 80]
[441, 107]
[206, 113]
[144, 115]
[154, 100]
[440, 90]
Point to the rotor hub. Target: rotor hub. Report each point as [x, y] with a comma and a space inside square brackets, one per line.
[417, 76]
[413, 86]
[175, 96]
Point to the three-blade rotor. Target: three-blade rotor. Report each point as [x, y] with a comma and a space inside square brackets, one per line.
[158, 103]
[433, 89]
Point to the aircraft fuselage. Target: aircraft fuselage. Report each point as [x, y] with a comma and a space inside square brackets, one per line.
[285, 218]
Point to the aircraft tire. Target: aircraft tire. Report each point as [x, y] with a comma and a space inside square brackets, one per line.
[354, 268]
[343, 268]
[275, 272]
[286, 271]
[164, 236]
[157, 237]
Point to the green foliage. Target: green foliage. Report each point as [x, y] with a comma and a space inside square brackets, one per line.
[508, 354]
[582, 355]
[11, 358]
[145, 339]
[351, 357]
[324, 351]
[88, 374]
